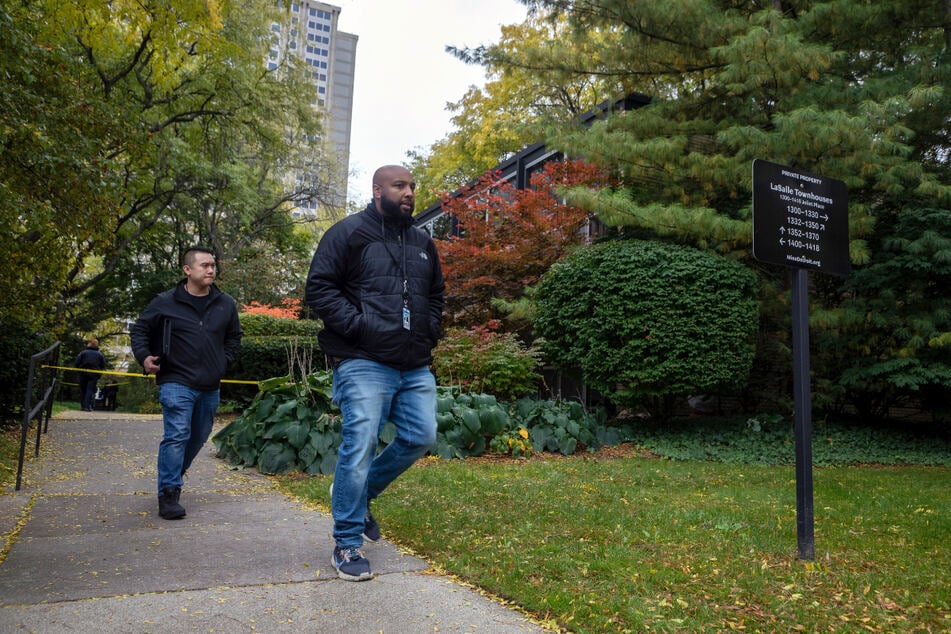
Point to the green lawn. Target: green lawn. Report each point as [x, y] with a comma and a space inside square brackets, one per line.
[635, 543]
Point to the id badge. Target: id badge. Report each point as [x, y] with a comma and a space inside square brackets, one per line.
[405, 318]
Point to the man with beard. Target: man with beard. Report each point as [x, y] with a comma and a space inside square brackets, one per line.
[376, 283]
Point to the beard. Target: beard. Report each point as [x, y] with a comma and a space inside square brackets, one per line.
[392, 208]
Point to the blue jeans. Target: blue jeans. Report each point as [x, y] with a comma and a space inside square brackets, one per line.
[188, 416]
[369, 394]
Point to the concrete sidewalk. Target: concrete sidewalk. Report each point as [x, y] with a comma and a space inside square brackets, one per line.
[85, 551]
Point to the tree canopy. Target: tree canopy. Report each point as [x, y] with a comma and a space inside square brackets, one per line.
[132, 131]
[507, 238]
[510, 111]
[849, 89]
[852, 90]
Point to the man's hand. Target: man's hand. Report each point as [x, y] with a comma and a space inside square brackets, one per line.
[152, 364]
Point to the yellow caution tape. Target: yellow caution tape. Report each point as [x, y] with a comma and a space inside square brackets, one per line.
[145, 376]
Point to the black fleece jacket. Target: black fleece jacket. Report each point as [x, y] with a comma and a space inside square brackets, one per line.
[356, 287]
[195, 349]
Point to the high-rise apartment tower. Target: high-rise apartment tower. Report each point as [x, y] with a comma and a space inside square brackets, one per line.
[330, 56]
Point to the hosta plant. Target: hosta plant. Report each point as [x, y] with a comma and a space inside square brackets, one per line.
[515, 442]
[465, 421]
[289, 426]
[558, 425]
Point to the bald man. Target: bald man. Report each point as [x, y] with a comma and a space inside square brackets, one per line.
[376, 283]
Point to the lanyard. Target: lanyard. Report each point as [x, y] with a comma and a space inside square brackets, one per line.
[402, 265]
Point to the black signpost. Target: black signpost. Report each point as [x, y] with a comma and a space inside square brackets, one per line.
[800, 220]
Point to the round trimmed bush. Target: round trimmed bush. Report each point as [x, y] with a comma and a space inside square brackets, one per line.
[646, 319]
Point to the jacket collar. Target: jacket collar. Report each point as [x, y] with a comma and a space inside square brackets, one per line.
[181, 294]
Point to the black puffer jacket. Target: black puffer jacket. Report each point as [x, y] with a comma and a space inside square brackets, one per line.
[195, 349]
[90, 359]
[355, 286]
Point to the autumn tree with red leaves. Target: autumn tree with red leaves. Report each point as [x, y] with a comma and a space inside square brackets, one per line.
[509, 237]
[290, 308]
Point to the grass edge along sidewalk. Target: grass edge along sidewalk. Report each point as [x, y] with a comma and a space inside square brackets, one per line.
[634, 543]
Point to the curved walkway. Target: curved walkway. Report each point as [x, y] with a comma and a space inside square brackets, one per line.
[83, 550]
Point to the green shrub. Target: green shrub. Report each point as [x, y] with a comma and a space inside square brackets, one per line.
[266, 350]
[295, 426]
[515, 442]
[482, 360]
[559, 426]
[468, 424]
[139, 395]
[18, 342]
[642, 320]
[465, 421]
[259, 325]
[289, 426]
[887, 343]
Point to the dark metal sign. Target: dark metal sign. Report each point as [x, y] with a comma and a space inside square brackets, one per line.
[800, 219]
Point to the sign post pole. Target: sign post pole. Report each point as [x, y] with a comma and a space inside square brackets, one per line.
[802, 399]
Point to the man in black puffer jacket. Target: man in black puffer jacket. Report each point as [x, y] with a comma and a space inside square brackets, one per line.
[187, 336]
[376, 283]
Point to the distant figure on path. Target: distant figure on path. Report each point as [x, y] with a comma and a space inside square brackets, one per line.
[89, 359]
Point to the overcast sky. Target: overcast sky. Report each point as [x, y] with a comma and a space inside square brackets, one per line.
[404, 77]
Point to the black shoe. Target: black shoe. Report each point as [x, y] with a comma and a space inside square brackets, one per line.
[371, 530]
[168, 505]
[351, 564]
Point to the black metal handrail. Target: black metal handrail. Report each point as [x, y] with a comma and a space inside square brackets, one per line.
[45, 405]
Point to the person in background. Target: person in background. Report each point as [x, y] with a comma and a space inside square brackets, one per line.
[89, 359]
[376, 283]
[187, 336]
